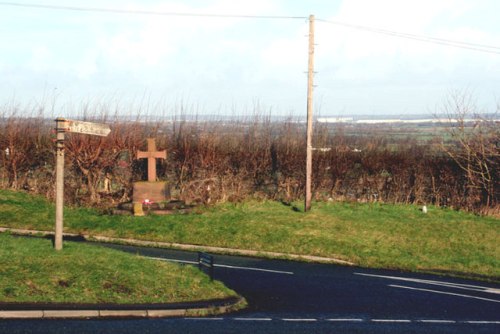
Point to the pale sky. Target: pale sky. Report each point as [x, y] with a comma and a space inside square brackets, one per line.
[233, 65]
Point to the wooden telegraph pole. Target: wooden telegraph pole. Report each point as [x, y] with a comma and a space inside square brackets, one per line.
[310, 87]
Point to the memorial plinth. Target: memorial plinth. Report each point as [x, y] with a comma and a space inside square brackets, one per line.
[144, 192]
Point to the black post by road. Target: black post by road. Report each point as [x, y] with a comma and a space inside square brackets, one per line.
[206, 263]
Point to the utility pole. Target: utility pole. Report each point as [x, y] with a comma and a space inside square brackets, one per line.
[310, 87]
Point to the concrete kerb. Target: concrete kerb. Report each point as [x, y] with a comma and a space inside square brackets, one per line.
[107, 314]
[187, 247]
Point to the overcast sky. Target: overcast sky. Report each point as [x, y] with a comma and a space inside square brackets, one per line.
[233, 65]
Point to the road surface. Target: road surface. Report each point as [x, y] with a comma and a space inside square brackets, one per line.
[292, 297]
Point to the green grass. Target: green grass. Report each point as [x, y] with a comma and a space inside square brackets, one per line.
[377, 235]
[32, 271]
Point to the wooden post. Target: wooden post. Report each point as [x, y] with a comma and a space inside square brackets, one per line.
[310, 87]
[62, 126]
[60, 129]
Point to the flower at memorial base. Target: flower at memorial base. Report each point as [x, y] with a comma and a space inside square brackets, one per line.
[147, 202]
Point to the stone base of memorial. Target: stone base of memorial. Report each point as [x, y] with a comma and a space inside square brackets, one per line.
[151, 191]
[147, 193]
[162, 208]
[152, 197]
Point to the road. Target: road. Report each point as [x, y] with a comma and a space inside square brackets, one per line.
[291, 297]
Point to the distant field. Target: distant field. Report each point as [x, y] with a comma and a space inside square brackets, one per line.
[371, 235]
[395, 132]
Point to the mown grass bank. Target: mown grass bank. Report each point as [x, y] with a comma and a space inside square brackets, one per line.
[371, 235]
[31, 271]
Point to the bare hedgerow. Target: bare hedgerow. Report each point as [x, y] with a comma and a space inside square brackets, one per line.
[475, 148]
[218, 160]
[25, 149]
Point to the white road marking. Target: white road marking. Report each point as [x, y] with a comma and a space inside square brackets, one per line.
[482, 322]
[432, 321]
[429, 321]
[225, 266]
[255, 269]
[444, 293]
[440, 283]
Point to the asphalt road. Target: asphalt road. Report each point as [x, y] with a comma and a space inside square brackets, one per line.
[291, 297]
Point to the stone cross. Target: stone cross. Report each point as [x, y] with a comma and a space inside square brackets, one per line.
[151, 154]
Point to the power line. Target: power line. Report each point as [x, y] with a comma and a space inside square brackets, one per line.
[420, 37]
[145, 12]
[441, 41]
[428, 39]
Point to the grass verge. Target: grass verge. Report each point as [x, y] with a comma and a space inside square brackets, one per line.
[32, 271]
[371, 235]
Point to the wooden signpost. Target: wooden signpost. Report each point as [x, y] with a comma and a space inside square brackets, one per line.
[62, 126]
[88, 128]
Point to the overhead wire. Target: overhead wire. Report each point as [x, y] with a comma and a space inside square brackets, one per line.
[428, 39]
[144, 12]
[441, 41]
